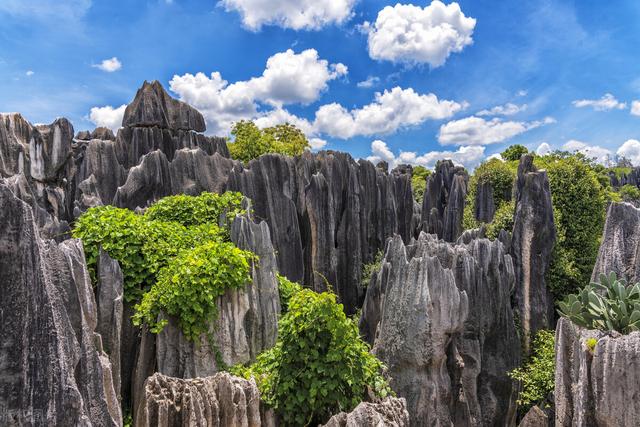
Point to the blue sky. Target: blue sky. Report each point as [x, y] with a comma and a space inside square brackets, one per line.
[570, 70]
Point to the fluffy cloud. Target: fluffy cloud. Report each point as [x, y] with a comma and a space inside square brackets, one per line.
[478, 131]
[507, 109]
[635, 108]
[412, 34]
[390, 111]
[630, 150]
[606, 103]
[294, 14]
[107, 116]
[601, 155]
[543, 149]
[109, 65]
[288, 78]
[469, 156]
[29, 73]
[371, 81]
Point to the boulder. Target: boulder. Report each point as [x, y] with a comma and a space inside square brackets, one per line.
[536, 417]
[533, 238]
[52, 367]
[391, 412]
[153, 106]
[219, 400]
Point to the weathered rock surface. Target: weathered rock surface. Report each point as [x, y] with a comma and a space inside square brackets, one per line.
[247, 318]
[619, 250]
[600, 388]
[219, 400]
[52, 367]
[444, 199]
[532, 242]
[536, 417]
[391, 412]
[475, 355]
[152, 106]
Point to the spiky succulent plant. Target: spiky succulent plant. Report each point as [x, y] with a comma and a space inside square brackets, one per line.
[611, 305]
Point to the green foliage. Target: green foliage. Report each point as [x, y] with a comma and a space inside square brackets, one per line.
[610, 305]
[419, 182]
[620, 171]
[319, 365]
[502, 219]
[579, 202]
[189, 286]
[250, 142]
[538, 373]
[207, 208]
[372, 267]
[514, 152]
[591, 344]
[630, 193]
[287, 289]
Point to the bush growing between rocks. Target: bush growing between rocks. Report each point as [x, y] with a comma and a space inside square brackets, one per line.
[537, 375]
[251, 142]
[319, 365]
[419, 176]
[611, 305]
[286, 289]
[630, 193]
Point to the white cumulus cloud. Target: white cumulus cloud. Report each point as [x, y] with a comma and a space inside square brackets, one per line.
[469, 156]
[478, 131]
[109, 65]
[630, 149]
[411, 34]
[391, 110]
[599, 154]
[508, 109]
[635, 108]
[606, 103]
[294, 14]
[107, 116]
[543, 149]
[370, 81]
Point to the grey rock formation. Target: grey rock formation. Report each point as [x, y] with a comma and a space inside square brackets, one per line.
[152, 106]
[52, 367]
[620, 245]
[391, 412]
[146, 183]
[536, 417]
[219, 400]
[484, 204]
[103, 133]
[444, 200]
[477, 354]
[247, 318]
[600, 388]
[532, 242]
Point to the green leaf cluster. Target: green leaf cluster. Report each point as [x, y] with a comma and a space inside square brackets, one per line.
[174, 258]
[629, 193]
[611, 305]
[514, 152]
[502, 219]
[419, 176]
[372, 267]
[537, 375]
[286, 289]
[319, 365]
[251, 142]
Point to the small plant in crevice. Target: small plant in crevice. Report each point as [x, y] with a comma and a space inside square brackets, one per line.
[591, 344]
[611, 305]
[372, 267]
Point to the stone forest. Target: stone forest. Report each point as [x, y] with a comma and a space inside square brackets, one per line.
[163, 277]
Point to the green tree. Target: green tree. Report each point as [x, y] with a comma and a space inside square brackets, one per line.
[630, 193]
[250, 142]
[419, 176]
[514, 152]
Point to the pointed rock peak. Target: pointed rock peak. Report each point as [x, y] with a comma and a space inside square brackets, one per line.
[153, 106]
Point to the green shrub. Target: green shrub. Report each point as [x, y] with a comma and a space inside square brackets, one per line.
[514, 152]
[319, 365]
[189, 286]
[610, 305]
[419, 176]
[372, 267]
[502, 220]
[630, 193]
[286, 289]
[537, 375]
[250, 142]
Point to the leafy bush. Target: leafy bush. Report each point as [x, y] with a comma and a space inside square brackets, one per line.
[287, 289]
[579, 201]
[537, 375]
[189, 286]
[610, 305]
[419, 182]
[630, 193]
[502, 219]
[372, 267]
[319, 365]
[250, 142]
[514, 152]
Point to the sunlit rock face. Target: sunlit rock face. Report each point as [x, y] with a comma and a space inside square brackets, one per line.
[439, 315]
[391, 412]
[53, 370]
